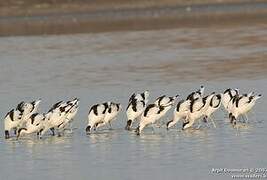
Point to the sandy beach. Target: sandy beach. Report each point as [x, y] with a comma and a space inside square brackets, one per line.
[67, 17]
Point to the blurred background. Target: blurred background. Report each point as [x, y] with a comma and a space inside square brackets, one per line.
[25, 17]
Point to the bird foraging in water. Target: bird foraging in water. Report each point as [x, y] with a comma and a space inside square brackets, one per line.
[17, 118]
[240, 105]
[12, 121]
[197, 109]
[136, 106]
[102, 114]
[154, 112]
[180, 112]
[227, 97]
[35, 125]
[111, 114]
[212, 107]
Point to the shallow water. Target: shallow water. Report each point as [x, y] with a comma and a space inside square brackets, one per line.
[110, 66]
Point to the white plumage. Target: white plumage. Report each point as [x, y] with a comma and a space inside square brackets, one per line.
[136, 106]
[227, 96]
[154, 112]
[214, 105]
[96, 116]
[35, 125]
[180, 112]
[197, 109]
[12, 121]
[240, 105]
[111, 114]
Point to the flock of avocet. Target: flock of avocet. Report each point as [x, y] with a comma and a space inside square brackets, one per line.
[25, 119]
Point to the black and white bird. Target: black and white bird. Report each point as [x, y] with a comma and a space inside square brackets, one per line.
[12, 121]
[165, 100]
[18, 117]
[136, 106]
[212, 107]
[154, 112]
[180, 112]
[35, 125]
[56, 117]
[240, 105]
[28, 108]
[74, 104]
[228, 94]
[111, 114]
[96, 116]
[198, 107]
[196, 94]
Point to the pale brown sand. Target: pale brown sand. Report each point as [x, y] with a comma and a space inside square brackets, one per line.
[58, 17]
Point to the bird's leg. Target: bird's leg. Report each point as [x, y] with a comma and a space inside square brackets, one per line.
[110, 127]
[199, 125]
[153, 128]
[205, 119]
[213, 122]
[244, 120]
[246, 117]
[70, 126]
[53, 131]
[15, 131]
[40, 134]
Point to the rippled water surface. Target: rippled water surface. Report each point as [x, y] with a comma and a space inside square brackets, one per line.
[110, 66]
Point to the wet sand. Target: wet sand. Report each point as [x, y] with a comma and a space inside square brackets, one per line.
[68, 19]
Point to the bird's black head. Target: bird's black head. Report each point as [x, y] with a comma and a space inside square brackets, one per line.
[20, 130]
[6, 134]
[88, 129]
[128, 125]
[184, 124]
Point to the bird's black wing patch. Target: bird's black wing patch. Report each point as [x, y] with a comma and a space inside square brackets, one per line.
[109, 110]
[106, 107]
[132, 97]
[161, 108]
[118, 107]
[143, 96]
[33, 117]
[134, 105]
[55, 106]
[20, 106]
[148, 108]
[94, 109]
[178, 105]
[11, 115]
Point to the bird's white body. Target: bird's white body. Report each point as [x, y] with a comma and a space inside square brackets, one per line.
[165, 101]
[136, 106]
[214, 105]
[111, 114]
[180, 112]
[154, 112]
[198, 108]
[34, 125]
[227, 96]
[96, 115]
[240, 105]
[56, 117]
[12, 121]
[74, 107]
[29, 108]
